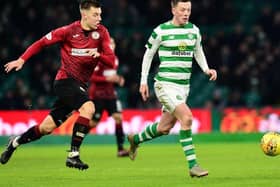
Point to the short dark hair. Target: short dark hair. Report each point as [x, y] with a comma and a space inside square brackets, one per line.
[175, 2]
[86, 4]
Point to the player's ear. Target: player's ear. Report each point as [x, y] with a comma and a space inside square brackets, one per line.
[83, 14]
[173, 10]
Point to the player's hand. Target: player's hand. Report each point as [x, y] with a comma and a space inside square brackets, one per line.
[212, 73]
[144, 90]
[93, 53]
[121, 81]
[15, 64]
[112, 78]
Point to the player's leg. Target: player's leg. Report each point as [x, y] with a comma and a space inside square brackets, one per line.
[120, 136]
[80, 130]
[184, 115]
[114, 108]
[74, 95]
[156, 129]
[99, 107]
[152, 131]
[32, 134]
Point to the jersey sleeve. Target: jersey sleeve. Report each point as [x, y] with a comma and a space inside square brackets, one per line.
[199, 54]
[107, 55]
[151, 48]
[55, 36]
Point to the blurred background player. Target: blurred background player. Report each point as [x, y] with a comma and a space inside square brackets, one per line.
[177, 42]
[103, 94]
[83, 44]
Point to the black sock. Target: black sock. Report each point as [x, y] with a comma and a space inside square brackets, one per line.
[80, 130]
[30, 135]
[119, 136]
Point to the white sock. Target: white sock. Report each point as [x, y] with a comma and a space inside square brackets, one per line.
[73, 154]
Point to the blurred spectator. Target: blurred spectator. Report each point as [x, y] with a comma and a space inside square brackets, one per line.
[246, 51]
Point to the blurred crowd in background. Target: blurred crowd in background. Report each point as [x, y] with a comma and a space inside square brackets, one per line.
[240, 39]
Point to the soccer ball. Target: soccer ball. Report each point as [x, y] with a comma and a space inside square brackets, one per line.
[270, 143]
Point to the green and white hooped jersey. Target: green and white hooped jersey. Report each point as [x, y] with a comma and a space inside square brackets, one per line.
[176, 45]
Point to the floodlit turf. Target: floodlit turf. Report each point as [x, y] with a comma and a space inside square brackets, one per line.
[229, 165]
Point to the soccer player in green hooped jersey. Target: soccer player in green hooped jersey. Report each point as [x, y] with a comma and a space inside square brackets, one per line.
[177, 42]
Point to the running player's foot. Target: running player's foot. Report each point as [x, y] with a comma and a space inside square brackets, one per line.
[75, 162]
[197, 171]
[6, 155]
[133, 147]
[123, 153]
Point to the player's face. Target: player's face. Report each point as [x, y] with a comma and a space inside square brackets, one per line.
[92, 17]
[181, 13]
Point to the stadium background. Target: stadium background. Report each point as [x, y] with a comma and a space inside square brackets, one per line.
[241, 41]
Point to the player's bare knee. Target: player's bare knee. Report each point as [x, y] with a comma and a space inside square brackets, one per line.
[118, 118]
[46, 129]
[164, 130]
[186, 121]
[87, 108]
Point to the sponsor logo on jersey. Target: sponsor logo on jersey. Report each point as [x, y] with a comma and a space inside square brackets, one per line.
[81, 52]
[182, 46]
[75, 35]
[182, 53]
[95, 35]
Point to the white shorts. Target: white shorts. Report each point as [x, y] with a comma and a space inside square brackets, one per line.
[171, 95]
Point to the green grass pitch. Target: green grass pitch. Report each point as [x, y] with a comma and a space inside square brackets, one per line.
[230, 164]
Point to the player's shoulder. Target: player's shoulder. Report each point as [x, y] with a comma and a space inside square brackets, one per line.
[73, 25]
[102, 28]
[162, 26]
[192, 25]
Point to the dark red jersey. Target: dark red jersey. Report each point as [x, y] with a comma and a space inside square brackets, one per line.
[75, 42]
[99, 87]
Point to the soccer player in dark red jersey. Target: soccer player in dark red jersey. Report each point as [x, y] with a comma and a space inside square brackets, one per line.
[103, 94]
[83, 44]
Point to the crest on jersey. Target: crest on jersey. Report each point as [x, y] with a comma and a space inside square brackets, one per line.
[95, 35]
[191, 36]
[178, 97]
[182, 46]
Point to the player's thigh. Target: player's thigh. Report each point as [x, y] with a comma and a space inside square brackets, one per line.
[115, 110]
[182, 111]
[171, 95]
[60, 112]
[113, 106]
[100, 106]
[71, 93]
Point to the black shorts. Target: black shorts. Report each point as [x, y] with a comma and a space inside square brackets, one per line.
[71, 95]
[110, 105]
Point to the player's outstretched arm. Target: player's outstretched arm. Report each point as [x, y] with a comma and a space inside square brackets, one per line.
[15, 64]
